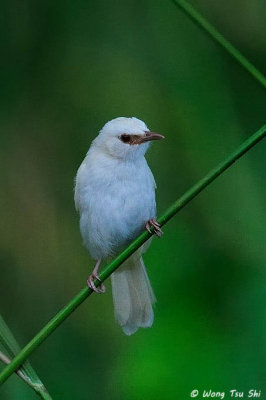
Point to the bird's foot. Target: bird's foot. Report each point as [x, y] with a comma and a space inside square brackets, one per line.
[92, 286]
[93, 276]
[157, 227]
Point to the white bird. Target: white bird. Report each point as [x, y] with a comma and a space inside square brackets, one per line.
[115, 196]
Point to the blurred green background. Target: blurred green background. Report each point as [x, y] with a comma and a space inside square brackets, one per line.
[67, 68]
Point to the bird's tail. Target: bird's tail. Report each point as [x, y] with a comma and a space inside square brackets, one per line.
[133, 296]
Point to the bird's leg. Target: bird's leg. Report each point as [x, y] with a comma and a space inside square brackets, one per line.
[93, 276]
[157, 227]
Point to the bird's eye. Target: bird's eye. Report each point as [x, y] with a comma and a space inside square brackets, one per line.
[125, 138]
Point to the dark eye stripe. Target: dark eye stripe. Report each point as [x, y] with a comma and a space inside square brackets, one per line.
[125, 138]
[130, 139]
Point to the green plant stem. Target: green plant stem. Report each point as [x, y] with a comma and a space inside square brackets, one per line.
[113, 265]
[6, 360]
[25, 372]
[219, 38]
[38, 387]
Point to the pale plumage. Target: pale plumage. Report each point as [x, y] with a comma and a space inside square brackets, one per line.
[115, 196]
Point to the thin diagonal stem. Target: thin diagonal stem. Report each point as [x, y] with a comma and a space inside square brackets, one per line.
[38, 387]
[113, 265]
[220, 39]
[6, 360]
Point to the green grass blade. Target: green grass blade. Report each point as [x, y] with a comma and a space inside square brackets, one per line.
[113, 265]
[220, 39]
[10, 349]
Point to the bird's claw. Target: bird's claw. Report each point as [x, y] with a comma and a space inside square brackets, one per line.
[92, 286]
[157, 227]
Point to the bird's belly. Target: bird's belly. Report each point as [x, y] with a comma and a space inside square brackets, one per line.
[114, 217]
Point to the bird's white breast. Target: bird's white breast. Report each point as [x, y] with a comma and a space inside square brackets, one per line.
[115, 199]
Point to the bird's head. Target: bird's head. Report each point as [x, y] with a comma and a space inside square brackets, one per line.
[125, 138]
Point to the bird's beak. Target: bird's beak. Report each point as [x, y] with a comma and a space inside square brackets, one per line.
[150, 136]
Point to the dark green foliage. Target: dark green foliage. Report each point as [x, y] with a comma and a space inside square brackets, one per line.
[67, 68]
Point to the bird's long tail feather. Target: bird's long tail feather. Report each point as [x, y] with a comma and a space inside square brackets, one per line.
[133, 296]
